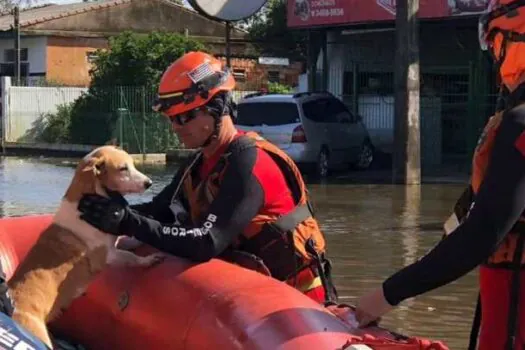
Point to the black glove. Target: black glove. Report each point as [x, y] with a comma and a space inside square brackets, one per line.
[106, 214]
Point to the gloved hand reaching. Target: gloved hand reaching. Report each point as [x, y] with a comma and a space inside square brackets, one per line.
[106, 214]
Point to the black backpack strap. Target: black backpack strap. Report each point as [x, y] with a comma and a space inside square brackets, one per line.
[240, 144]
[476, 323]
[289, 221]
[236, 146]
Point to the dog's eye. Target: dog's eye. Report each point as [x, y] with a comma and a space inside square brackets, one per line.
[123, 168]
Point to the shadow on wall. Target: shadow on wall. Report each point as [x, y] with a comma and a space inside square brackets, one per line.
[35, 132]
[50, 127]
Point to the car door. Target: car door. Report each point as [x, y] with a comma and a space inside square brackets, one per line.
[350, 133]
[318, 127]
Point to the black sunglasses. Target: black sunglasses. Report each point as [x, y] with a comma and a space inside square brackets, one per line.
[184, 118]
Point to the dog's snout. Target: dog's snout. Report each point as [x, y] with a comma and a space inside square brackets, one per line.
[147, 183]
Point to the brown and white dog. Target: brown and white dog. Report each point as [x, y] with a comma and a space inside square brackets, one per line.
[70, 252]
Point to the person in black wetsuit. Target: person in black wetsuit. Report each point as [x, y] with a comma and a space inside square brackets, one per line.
[492, 233]
[239, 194]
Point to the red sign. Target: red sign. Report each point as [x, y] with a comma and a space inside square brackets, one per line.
[308, 13]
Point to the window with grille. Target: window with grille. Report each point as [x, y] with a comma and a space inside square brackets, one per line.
[9, 55]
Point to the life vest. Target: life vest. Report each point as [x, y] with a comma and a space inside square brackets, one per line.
[279, 241]
[503, 257]
[510, 253]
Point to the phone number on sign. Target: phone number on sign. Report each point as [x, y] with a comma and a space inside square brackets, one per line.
[328, 12]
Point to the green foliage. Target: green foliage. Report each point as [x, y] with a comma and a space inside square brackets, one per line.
[93, 120]
[123, 84]
[277, 88]
[269, 26]
[139, 60]
[137, 126]
[137, 131]
[56, 125]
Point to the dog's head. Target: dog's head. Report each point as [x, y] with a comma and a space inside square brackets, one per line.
[107, 168]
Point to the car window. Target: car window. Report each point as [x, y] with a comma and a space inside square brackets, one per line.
[267, 113]
[339, 110]
[318, 111]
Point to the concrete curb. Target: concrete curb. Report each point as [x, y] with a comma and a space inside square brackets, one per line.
[78, 150]
[178, 155]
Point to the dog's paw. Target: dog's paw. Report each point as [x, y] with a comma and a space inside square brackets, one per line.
[152, 260]
[127, 243]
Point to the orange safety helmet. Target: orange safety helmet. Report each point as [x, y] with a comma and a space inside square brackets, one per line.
[502, 32]
[191, 82]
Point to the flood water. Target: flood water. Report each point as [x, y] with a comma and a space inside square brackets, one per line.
[371, 230]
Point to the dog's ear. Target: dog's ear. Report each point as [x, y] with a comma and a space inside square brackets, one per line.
[112, 142]
[95, 164]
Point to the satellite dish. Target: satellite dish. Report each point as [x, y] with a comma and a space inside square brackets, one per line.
[227, 10]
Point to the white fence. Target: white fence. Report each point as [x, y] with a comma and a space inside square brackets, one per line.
[24, 108]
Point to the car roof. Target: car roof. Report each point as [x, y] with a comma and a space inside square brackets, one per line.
[291, 98]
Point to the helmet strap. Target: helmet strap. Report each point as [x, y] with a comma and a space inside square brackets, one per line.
[503, 95]
[217, 116]
[215, 132]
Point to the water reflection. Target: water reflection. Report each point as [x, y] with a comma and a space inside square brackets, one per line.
[372, 230]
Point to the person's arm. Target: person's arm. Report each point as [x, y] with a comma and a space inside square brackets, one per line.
[499, 203]
[238, 201]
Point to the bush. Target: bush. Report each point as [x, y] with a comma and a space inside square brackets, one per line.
[124, 84]
[56, 125]
[92, 121]
[277, 88]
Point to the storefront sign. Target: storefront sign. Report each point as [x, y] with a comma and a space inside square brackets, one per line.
[308, 13]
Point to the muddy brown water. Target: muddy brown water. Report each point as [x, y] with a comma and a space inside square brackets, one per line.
[372, 230]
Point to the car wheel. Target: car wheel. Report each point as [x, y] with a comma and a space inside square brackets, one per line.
[322, 163]
[366, 155]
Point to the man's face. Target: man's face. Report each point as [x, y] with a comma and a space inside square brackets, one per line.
[193, 128]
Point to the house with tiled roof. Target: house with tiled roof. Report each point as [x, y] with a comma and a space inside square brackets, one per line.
[58, 41]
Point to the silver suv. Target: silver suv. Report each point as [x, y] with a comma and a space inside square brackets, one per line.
[314, 129]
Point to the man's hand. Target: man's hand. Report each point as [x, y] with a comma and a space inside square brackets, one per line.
[371, 307]
[106, 214]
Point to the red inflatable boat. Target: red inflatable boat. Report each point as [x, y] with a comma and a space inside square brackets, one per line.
[213, 305]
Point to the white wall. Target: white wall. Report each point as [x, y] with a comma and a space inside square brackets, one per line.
[36, 52]
[23, 108]
[375, 51]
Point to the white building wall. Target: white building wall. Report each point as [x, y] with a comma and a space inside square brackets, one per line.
[37, 52]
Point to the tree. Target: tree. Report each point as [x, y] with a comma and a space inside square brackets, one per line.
[137, 60]
[123, 85]
[269, 27]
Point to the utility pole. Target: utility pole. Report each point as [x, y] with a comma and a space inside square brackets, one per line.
[16, 16]
[407, 148]
[228, 44]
